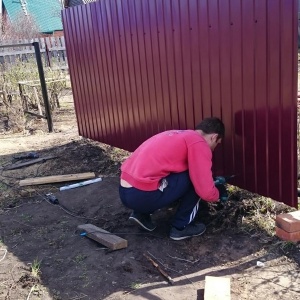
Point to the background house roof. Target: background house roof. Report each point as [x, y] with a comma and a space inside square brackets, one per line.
[71, 3]
[47, 14]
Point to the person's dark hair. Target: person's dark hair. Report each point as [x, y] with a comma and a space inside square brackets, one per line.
[212, 125]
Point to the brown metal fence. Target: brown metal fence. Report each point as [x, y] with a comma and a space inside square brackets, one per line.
[142, 66]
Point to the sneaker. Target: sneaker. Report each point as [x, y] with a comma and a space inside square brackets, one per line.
[143, 220]
[188, 231]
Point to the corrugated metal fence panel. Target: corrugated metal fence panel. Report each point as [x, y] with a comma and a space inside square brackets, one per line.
[142, 66]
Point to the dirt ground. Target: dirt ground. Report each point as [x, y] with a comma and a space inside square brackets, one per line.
[43, 256]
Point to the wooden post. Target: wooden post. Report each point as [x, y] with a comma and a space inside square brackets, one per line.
[43, 85]
[23, 97]
[47, 50]
[56, 100]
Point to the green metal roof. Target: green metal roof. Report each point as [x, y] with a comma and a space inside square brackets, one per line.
[47, 14]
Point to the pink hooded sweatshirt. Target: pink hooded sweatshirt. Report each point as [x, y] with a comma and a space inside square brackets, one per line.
[168, 152]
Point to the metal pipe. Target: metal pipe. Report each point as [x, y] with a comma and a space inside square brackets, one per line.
[43, 85]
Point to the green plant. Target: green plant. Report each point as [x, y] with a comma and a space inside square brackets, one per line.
[84, 278]
[27, 217]
[266, 204]
[264, 222]
[79, 258]
[12, 74]
[36, 268]
[135, 285]
[231, 188]
[3, 187]
[22, 75]
[287, 246]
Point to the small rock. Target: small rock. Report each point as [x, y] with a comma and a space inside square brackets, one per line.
[27, 192]
[31, 191]
[260, 264]
[24, 193]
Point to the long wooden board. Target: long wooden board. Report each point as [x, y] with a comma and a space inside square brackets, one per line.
[103, 237]
[56, 178]
[217, 288]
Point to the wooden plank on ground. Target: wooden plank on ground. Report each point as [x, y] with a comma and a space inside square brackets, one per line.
[28, 163]
[217, 288]
[56, 178]
[103, 237]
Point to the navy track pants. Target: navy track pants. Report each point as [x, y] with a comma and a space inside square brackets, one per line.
[179, 187]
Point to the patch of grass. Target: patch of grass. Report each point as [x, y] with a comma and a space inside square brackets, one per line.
[250, 213]
[42, 231]
[36, 268]
[20, 71]
[3, 186]
[263, 222]
[79, 258]
[63, 224]
[27, 217]
[287, 246]
[84, 277]
[17, 232]
[135, 285]
[264, 213]
[231, 189]
[265, 205]
[8, 199]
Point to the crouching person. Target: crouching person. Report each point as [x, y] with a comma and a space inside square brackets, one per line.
[172, 165]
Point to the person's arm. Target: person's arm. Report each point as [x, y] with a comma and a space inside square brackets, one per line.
[200, 164]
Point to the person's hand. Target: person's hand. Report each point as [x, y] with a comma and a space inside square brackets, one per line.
[219, 180]
[223, 195]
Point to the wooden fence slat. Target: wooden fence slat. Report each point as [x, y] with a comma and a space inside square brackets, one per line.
[63, 44]
[48, 46]
[54, 52]
[16, 52]
[57, 48]
[47, 41]
[51, 48]
[42, 43]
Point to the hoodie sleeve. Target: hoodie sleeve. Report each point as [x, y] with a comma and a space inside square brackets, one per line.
[200, 164]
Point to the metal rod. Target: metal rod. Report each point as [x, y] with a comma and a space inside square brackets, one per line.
[43, 85]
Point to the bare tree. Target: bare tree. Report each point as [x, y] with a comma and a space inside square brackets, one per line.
[23, 27]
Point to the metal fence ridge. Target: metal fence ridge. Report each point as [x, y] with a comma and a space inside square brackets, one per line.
[140, 67]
